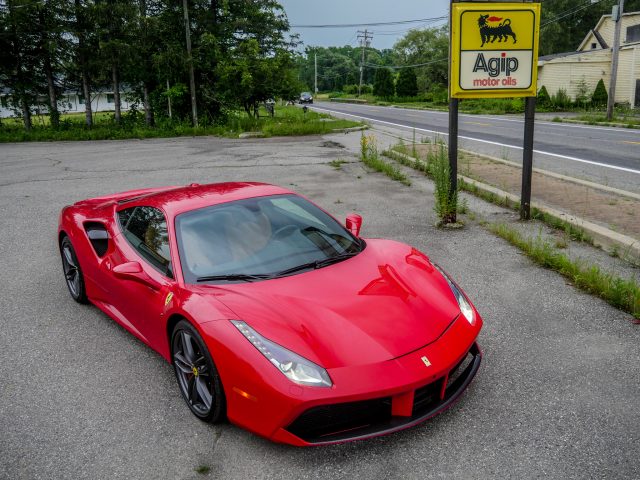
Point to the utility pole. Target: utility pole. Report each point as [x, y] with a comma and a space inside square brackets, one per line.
[315, 77]
[192, 80]
[365, 40]
[616, 16]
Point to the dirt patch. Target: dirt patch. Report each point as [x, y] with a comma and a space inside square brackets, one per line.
[619, 213]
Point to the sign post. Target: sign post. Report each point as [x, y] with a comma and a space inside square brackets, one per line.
[494, 54]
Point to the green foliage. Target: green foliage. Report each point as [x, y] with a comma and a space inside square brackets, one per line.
[620, 292]
[561, 99]
[371, 158]
[101, 45]
[583, 95]
[353, 89]
[407, 83]
[287, 121]
[383, 86]
[446, 203]
[543, 97]
[430, 46]
[600, 95]
[569, 25]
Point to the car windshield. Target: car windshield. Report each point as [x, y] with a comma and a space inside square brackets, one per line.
[260, 238]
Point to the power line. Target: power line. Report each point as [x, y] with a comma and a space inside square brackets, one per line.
[373, 24]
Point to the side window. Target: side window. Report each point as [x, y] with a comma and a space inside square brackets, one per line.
[145, 228]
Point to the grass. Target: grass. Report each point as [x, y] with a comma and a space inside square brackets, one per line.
[570, 230]
[289, 120]
[203, 469]
[337, 164]
[619, 292]
[371, 158]
[598, 118]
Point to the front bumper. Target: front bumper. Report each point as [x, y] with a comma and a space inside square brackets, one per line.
[341, 422]
[365, 400]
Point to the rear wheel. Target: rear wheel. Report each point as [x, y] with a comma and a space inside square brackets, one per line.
[72, 271]
[196, 373]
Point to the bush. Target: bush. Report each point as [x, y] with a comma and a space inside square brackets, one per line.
[543, 97]
[383, 86]
[407, 84]
[600, 95]
[561, 99]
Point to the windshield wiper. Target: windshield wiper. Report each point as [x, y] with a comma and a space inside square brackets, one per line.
[315, 264]
[234, 276]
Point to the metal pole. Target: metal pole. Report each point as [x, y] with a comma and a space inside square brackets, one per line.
[453, 155]
[527, 158]
[453, 136]
[611, 100]
[315, 76]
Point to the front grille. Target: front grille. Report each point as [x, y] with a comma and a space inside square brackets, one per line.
[352, 420]
[427, 397]
[326, 420]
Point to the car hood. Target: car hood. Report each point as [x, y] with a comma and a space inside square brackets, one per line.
[381, 304]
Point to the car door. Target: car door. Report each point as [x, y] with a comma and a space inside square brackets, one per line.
[144, 238]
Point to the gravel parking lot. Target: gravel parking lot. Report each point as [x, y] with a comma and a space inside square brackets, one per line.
[558, 394]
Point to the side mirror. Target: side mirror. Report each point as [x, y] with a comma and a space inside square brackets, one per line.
[133, 271]
[353, 224]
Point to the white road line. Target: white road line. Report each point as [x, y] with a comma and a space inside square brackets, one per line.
[500, 119]
[517, 147]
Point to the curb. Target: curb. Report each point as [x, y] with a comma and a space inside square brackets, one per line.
[350, 129]
[559, 176]
[598, 124]
[603, 237]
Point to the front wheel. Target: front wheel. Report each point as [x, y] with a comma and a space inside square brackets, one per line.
[196, 374]
[72, 272]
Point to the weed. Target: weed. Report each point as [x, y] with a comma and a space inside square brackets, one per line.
[619, 292]
[337, 164]
[203, 469]
[371, 158]
[446, 200]
[287, 121]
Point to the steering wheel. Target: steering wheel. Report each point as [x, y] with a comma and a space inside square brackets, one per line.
[284, 232]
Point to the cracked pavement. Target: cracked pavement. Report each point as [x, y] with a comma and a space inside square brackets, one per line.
[556, 396]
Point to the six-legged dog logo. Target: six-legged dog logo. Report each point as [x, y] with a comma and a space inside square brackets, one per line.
[489, 33]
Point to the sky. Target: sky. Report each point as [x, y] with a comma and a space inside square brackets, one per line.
[307, 12]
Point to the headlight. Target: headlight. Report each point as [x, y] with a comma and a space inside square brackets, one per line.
[296, 368]
[465, 306]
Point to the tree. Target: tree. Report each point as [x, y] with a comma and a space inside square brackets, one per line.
[20, 69]
[429, 46]
[249, 77]
[600, 95]
[407, 84]
[543, 97]
[115, 20]
[564, 25]
[383, 85]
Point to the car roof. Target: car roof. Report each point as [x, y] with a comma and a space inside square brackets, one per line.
[177, 200]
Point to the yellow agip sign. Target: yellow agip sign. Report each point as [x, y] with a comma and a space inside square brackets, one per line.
[494, 49]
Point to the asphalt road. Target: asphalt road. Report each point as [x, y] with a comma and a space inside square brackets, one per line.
[605, 155]
[556, 397]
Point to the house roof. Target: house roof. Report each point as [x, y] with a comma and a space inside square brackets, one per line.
[599, 24]
[546, 58]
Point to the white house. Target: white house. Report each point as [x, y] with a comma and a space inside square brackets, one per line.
[592, 62]
[69, 102]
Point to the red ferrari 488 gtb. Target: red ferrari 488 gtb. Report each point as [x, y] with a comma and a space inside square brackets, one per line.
[272, 313]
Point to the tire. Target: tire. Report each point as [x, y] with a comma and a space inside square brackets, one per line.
[72, 272]
[196, 374]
